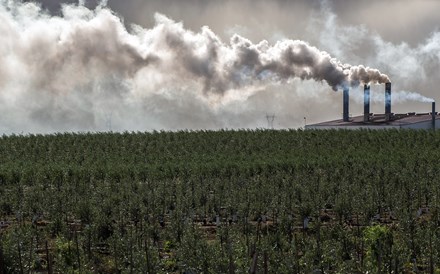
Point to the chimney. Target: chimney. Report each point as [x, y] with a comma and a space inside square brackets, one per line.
[387, 101]
[366, 103]
[433, 114]
[345, 115]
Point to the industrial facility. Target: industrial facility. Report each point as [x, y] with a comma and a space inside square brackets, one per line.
[387, 120]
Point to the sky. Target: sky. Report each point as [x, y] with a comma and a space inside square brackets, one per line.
[195, 64]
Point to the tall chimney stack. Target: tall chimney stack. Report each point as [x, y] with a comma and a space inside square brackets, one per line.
[366, 103]
[388, 101]
[345, 114]
[433, 114]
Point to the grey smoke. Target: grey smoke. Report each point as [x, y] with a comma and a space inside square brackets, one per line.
[399, 96]
[69, 72]
[230, 66]
[97, 42]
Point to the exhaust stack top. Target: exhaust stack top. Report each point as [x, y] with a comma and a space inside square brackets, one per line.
[366, 103]
[346, 98]
[388, 101]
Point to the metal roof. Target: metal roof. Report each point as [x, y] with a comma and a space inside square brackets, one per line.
[379, 120]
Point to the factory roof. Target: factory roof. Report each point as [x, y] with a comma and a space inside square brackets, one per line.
[397, 120]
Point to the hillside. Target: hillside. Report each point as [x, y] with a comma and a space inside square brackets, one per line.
[221, 201]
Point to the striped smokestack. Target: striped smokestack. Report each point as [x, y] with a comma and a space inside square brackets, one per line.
[388, 101]
[346, 98]
[433, 114]
[366, 103]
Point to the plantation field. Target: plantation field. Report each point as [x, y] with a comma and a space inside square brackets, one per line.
[258, 201]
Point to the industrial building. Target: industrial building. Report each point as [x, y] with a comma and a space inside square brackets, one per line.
[387, 120]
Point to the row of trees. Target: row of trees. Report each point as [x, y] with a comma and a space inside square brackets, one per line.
[221, 202]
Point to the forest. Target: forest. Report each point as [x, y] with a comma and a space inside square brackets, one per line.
[227, 201]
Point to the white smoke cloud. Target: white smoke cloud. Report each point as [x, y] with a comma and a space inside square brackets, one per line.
[397, 97]
[409, 67]
[75, 71]
[404, 96]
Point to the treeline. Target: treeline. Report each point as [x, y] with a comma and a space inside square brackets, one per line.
[221, 202]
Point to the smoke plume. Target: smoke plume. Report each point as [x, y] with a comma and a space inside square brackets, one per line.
[84, 68]
[97, 42]
[403, 96]
[399, 96]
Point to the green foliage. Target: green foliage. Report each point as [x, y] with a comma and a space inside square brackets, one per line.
[64, 250]
[221, 202]
[379, 241]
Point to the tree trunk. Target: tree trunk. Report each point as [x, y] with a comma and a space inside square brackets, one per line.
[2, 260]
[49, 263]
[431, 258]
[254, 264]
[265, 263]
[30, 255]
[19, 258]
[147, 256]
[78, 252]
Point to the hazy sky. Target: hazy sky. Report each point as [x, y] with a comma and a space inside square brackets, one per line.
[409, 21]
[400, 38]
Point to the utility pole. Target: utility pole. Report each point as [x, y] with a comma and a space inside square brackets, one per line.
[108, 121]
[270, 120]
